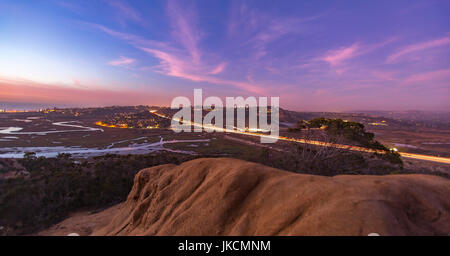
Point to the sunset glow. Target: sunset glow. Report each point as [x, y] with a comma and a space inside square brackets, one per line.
[324, 56]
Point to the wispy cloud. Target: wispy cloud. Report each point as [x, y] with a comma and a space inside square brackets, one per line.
[336, 57]
[432, 76]
[257, 30]
[172, 65]
[70, 6]
[418, 47]
[125, 11]
[132, 39]
[219, 69]
[184, 29]
[184, 62]
[122, 62]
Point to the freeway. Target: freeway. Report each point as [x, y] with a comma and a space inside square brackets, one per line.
[444, 160]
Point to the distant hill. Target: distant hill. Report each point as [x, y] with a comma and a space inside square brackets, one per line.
[417, 115]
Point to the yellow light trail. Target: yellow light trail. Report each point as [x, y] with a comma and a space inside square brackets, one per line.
[444, 160]
[438, 159]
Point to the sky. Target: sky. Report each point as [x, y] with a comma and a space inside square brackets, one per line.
[314, 55]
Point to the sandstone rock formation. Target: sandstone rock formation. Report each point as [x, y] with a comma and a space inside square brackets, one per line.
[233, 197]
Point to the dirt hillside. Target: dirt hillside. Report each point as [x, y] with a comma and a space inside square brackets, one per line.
[233, 197]
[82, 223]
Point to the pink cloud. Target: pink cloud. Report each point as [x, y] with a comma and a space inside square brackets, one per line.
[336, 57]
[185, 63]
[170, 64]
[122, 62]
[418, 47]
[175, 66]
[183, 29]
[174, 63]
[219, 69]
[438, 75]
[339, 56]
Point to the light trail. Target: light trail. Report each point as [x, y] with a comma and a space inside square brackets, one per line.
[437, 159]
[444, 160]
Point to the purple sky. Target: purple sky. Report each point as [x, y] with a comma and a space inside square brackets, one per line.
[314, 55]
